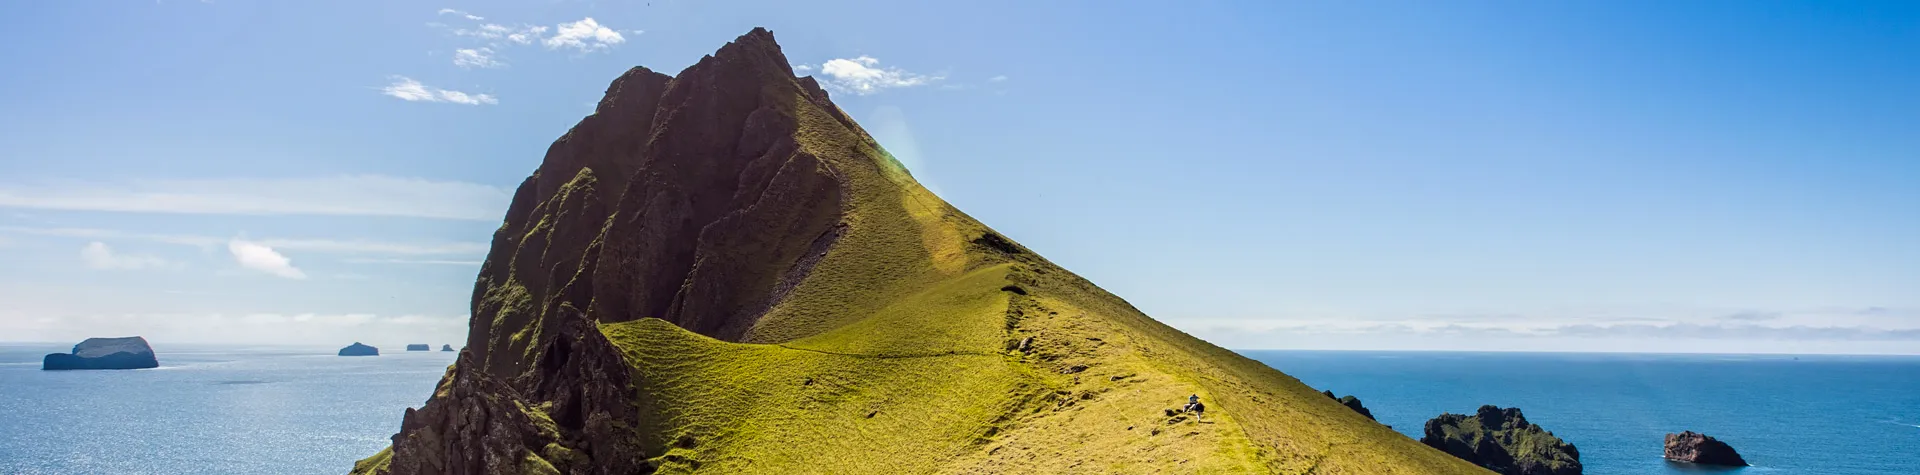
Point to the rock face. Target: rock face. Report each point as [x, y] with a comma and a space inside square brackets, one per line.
[357, 349]
[446, 347]
[1351, 403]
[1503, 441]
[419, 347]
[104, 353]
[1694, 447]
[720, 272]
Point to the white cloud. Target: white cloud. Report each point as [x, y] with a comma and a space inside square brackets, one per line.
[469, 16]
[262, 258]
[376, 247]
[802, 67]
[863, 75]
[97, 255]
[327, 332]
[475, 58]
[355, 246]
[528, 35]
[410, 90]
[350, 195]
[1000, 78]
[584, 35]
[437, 262]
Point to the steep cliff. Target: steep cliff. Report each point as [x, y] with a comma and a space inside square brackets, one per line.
[720, 271]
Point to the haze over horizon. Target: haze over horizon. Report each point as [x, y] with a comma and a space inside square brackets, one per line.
[1711, 177]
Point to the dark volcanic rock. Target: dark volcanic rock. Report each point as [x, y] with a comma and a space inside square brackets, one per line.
[1501, 440]
[686, 198]
[104, 353]
[357, 349]
[476, 423]
[1351, 403]
[419, 347]
[446, 347]
[1694, 447]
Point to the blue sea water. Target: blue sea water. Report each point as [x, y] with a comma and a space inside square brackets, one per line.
[1816, 415]
[303, 410]
[208, 410]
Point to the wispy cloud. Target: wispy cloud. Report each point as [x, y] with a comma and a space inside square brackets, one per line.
[863, 75]
[327, 330]
[252, 255]
[1000, 78]
[1752, 316]
[353, 195]
[476, 58]
[97, 255]
[523, 34]
[350, 246]
[410, 90]
[469, 16]
[584, 35]
[436, 262]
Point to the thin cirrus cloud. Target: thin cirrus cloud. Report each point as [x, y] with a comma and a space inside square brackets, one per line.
[332, 246]
[433, 262]
[469, 16]
[348, 195]
[255, 256]
[476, 58]
[410, 90]
[97, 255]
[863, 75]
[254, 328]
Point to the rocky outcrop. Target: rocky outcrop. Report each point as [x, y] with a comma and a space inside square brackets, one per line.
[1503, 441]
[1351, 402]
[358, 349]
[419, 347]
[446, 347]
[104, 353]
[1694, 447]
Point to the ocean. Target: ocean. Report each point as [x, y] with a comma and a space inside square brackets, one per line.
[1816, 415]
[208, 410]
[214, 409]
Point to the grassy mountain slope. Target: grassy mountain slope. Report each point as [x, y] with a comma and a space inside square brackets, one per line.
[770, 292]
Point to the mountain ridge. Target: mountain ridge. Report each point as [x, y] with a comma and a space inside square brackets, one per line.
[717, 264]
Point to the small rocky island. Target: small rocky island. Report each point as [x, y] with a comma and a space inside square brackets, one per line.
[1698, 448]
[1501, 440]
[104, 353]
[446, 347]
[357, 349]
[419, 347]
[1351, 402]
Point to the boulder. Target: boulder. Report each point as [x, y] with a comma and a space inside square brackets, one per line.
[104, 353]
[1503, 441]
[419, 347]
[357, 349]
[1351, 403]
[1694, 447]
[446, 347]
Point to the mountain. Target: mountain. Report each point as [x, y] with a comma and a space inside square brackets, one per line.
[720, 271]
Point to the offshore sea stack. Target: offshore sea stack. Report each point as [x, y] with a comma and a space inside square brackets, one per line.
[1694, 447]
[104, 353]
[1503, 441]
[359, 349]
[719, 271]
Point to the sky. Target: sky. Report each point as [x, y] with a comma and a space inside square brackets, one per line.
[1701, 176]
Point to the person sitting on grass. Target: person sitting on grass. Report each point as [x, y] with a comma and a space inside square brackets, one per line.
[1194, 406]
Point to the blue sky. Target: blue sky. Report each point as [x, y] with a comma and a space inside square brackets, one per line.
[1725, 176]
